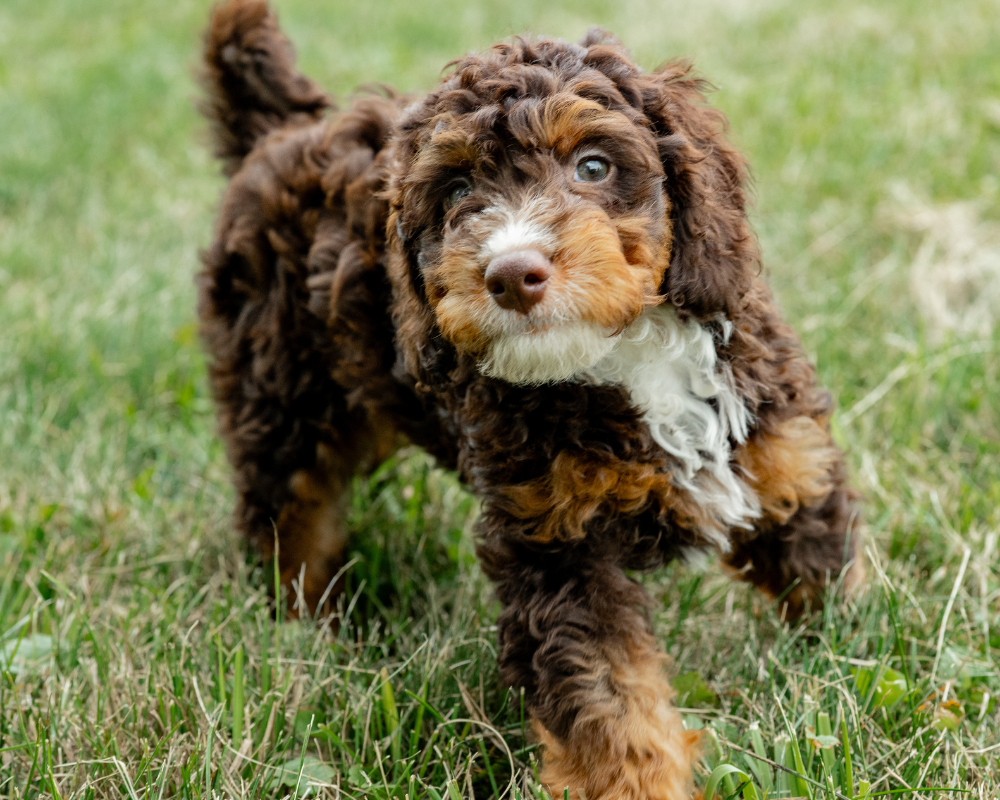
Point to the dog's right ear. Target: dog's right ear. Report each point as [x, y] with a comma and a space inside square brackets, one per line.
[715, 255]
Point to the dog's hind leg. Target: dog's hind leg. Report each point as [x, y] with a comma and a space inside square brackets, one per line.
[279, 358]
[574, 633]
[292, 438]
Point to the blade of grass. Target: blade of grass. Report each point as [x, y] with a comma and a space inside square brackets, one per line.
[236, 702]
[848, 773]
[391, 715]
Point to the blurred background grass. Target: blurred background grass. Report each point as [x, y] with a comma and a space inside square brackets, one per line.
[874, 134]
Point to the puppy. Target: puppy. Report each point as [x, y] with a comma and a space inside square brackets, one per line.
[541, 272]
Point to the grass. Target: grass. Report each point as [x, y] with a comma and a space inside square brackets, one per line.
[138, 657]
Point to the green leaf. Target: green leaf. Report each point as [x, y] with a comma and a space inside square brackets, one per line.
[781, 750]
[846, 745]
[825, 739]
[357, 776]
[948, 716]
[748, 790]
[25, 655]
[793, 760]
[141, 483]
[890, 689]
[236, 701]
[306, 773]
[692, 691]
[390, 713]
[822, 742]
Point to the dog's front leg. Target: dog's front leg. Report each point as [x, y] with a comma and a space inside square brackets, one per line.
[575, 634]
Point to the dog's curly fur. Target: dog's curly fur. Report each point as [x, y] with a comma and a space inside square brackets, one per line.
[652, 404]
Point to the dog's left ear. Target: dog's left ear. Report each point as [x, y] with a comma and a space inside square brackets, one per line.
[424, 355]
[715, 255]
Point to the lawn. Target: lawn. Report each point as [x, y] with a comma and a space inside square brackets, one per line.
[138, 654]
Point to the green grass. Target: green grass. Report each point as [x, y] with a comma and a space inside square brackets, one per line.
[138, 657]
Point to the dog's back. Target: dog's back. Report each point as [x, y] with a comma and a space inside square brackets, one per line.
[294, 299]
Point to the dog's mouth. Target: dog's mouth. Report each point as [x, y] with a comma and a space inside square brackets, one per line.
[547, 352]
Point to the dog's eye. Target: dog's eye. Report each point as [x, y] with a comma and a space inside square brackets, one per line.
[458, 193]
[592, 169]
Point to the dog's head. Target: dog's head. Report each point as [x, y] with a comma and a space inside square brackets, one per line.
[545, 194]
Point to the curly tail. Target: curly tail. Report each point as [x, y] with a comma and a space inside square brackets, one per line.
[250, 79]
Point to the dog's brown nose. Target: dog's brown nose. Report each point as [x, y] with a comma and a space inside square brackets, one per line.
[517, 280]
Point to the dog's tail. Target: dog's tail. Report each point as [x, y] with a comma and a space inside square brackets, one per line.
[250, 80]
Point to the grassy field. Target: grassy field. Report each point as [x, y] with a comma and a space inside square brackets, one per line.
[138, 657]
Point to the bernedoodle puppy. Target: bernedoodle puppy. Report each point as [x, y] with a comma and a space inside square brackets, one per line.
[541, 272]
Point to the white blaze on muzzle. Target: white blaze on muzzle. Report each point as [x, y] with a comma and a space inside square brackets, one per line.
[529, 226]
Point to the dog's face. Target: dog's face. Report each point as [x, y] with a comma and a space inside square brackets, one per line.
[547, 233]
[532, 207]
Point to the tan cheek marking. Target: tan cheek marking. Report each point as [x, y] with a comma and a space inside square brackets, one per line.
[790, 467]
[641, 249]
[456, 317]
[456, 293]
[609, 289]
[578, 486]
[629, 743]
[595, 279]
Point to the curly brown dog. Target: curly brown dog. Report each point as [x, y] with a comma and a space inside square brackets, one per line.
[541, 272]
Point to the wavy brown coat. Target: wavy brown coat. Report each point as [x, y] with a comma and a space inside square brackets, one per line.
[326, 354]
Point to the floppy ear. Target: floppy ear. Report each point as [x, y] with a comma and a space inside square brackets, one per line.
[715, 255]
[424, 354]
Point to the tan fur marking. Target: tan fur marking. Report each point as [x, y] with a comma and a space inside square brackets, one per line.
[577, 486]
[446, 149]
[607, 282]
[630, 744]
[568, 119]
[310, 533]
[639, 249]
[790, 467]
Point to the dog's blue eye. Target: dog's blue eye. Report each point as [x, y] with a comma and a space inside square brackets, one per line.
[459, 193]
[592, 169]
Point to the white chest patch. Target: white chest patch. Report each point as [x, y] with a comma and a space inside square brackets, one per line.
[672, 374]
